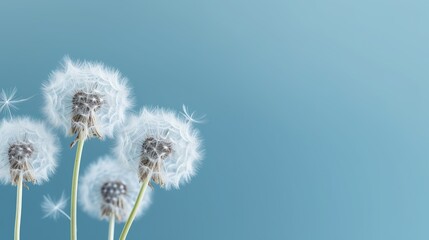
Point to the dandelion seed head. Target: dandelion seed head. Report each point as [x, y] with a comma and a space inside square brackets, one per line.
[163, 142]
[107, 187]
[27, 147]
[86, 98]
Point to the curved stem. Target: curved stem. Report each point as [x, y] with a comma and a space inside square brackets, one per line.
[18, 208]
[136, 205]
[112, 227]
[73, 207]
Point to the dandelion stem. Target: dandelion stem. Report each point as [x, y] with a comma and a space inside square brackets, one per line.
[112, 226]
[18, 208]
[136, 205]
[73, 207]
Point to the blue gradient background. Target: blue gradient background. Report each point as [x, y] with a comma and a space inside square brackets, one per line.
[317, 111]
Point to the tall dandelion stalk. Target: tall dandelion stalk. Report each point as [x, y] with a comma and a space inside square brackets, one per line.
[75, 180]
[28, 154]
[163, 148]
[87, 100]
[108, 192]
[18, 208]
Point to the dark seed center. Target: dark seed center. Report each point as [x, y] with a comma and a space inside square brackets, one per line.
[18, 153]
[84, 103]
[111, 192]
[155, 149]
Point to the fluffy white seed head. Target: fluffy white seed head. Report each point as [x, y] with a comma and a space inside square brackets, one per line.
[27, 147]
[161, 142]
[108, 187]
[86, 98]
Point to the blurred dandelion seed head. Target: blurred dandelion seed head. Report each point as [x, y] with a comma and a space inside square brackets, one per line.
[112, 191]
[107, 187]
[113, 196]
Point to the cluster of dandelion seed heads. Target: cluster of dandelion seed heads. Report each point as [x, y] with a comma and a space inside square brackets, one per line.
[29, 148]
[108, 188]
[163, 142]
[90, 96]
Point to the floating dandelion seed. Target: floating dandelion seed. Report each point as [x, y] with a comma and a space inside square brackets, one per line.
[54, 209]
[8, 101]
[190, 117]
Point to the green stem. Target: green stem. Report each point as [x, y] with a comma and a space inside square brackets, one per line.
[134, 211]
[18, 208]
[73, 207]
[112, 226]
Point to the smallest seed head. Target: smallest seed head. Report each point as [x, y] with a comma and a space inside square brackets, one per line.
[113, 199]
[107, 188]
[27, 149]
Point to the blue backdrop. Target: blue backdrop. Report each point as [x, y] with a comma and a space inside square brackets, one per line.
[317, 120]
